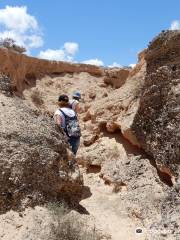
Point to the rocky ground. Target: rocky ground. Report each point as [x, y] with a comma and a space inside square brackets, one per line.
[129, 154]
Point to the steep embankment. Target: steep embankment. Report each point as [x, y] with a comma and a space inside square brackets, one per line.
[34, 158]
[157, 122]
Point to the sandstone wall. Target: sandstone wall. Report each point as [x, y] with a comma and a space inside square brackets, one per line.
[157, 122]
[118, 109]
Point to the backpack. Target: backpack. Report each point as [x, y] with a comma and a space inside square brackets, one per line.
[72, 128]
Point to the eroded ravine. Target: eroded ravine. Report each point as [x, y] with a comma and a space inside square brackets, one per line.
[131, 200]
[126, 190]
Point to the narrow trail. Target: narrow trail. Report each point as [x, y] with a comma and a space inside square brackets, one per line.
[110, 216]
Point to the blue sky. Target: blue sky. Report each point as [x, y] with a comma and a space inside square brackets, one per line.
[110, 31]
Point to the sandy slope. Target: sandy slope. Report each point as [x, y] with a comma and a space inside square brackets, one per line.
[110, 215]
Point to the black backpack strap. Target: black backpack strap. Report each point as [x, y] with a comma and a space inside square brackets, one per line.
[65, 116]
[63, 113]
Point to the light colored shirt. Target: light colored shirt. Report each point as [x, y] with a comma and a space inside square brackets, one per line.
[68, 111]
[73, 103]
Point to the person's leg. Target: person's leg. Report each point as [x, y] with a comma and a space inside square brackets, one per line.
[74, 143]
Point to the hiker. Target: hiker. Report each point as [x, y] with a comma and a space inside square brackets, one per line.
[74, 102]
[66, 118]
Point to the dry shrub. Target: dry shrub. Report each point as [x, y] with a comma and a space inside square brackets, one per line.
[70, 227]
[36, 97]
[11, 44]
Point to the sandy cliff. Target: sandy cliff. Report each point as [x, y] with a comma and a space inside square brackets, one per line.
[24, 70]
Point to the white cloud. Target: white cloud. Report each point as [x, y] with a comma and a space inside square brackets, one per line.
[175, 25]
[35, 41]
[51, 54]
[96, 62]
[132, 65]
[66, 53]
[12, 34]
[16, 23]
[71, 48]
[115, 64]
[17, 18]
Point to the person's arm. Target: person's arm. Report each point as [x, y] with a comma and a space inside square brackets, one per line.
[77, 108]
[58, 120]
